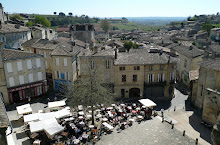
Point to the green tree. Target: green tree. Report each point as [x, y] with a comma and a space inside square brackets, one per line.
[70, 14]
[90, 90]
[42, 20]
[207, 26]
[29, 23]
[128, 45]
[124, 19]
[105, 25]
[16, 16]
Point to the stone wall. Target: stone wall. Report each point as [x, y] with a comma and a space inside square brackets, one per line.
[211, 106]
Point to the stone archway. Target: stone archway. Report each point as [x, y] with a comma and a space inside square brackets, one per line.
[134, 92]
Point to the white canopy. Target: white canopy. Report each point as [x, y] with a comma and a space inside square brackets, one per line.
[62, 113]
[24, 109]
[56, 104]
[147, 102]
[31, 117]
[44, 116]
[108, 126]
[51, 126]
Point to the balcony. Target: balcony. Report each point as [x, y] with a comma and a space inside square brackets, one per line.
[147, 84]
[172, 82]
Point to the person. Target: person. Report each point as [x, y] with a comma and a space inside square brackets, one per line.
[162, 111]
[48, 99]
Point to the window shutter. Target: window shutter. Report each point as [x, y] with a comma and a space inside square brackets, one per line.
[65, 61]
[158, 77]
[46, 65]
[163, 77]
[39, 76]
[57, 61]
[29, 64]
[21, 79]
[38, 62]
[68, 75]
[11, 81]
[19, 65]
[30, 77]
[152, 77]
[9, 67]
[55, 74]
[148, 78]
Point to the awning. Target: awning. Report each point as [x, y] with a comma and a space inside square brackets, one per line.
[147, 102]
[24, 109]
[56, 104]
[31, 117]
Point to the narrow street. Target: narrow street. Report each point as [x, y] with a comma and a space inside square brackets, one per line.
[184, 118]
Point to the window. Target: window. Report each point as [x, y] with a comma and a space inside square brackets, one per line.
[30, 78]
[9, 67]
[67, 76]
[134, 78]
[92, 64]
[150, 78]
[11, 81]
[19, 65]
[4, 39]
[39, 52]
[150, 67]
[57, 74]
[121, 68]
[29, 64]
[202, 90]
[62, 75]
[39, 76]
[136, 67]
[161, 77]
[38, 62]
[65, 61]
[45, 54]
[57, 62]
[185, 62]
[161, 67]
[122, 92]
[21, 79]
[172, 76]
[107, 63]
[123, 79]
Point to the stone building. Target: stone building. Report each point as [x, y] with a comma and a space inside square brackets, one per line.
[137, 73]
[25, 75]
[3, 85]
[42, 33]
[215, 34]
[83, 33]
[64, 63]
[189, 57]
[13, 36]
[208, 92]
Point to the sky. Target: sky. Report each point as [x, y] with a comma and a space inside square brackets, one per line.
[115, 8]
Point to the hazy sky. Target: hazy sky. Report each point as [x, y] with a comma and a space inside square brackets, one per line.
[114, 8]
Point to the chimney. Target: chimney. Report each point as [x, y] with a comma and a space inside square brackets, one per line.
[115, 53]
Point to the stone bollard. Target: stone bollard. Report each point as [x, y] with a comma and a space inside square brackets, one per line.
[172, 126]
[174, 108]
[162, 119]
[197, 141]
[184, 132]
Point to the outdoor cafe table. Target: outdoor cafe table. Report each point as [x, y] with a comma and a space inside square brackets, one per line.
[81, 113]
[131, 120]
[109, 108]
[36, 142]
[69, 119]
[104, 119]
[99, 116]
[88, 116]
[91, 126]
[113, 105]
[85, 136]
[80, 117]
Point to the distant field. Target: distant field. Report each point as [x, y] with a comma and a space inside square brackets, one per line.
[132, 26]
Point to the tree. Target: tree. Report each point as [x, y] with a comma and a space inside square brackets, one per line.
[207, 26]
[105, 25]
[129, 44]
[29, 23]
[70, 14]
[42, 20]
[16, 16]
[54, 13]
[90, 90]
[61, 14]
[124, 19]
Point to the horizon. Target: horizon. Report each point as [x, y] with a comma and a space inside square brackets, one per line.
[128, 8]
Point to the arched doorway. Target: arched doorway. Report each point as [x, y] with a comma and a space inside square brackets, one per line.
[134, 92]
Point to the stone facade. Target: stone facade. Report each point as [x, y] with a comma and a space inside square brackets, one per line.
[25, 75]
[3, 87]
[83, 33]
[211, 106]
[155, 81]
